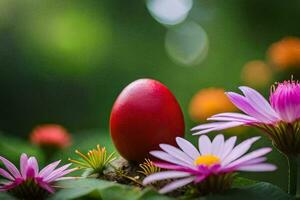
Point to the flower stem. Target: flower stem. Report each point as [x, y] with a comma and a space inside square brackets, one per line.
[292, 184]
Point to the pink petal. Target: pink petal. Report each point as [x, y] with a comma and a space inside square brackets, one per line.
[233, 117]
[254, 154]
[175, 152]
[255, 161]
[228, 146]
[167, 166]
[286, 100]
[23, 165]
[57, 173]
[190, 170]
[243, 104]
[45, 186]
[258, 167]
[187, 147]
[30, 172]
[206, 126]
[164, 175]
[11, 167]
[205, 146]
[5, 174]
[12, 184]
[259, 103]
[220, 126]
[167, 157]
[217, 145]
[239, 150]
[32, 163]
[200, 178]
[48, 169]
[176, 184]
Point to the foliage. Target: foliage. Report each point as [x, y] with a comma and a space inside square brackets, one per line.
[99, 189]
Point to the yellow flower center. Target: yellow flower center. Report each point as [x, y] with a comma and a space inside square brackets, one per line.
[207, 160]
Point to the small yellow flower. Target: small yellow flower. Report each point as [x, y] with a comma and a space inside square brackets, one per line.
[148, 168]
[96, 159]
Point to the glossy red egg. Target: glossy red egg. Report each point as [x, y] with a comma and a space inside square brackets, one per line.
[145, 115]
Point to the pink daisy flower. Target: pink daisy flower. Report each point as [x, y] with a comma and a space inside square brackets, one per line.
[29, 182]
[211, 167]
[280, 118]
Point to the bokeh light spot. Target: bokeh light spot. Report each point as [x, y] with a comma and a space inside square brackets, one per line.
[285, 53]
[169, 12]
[208, 102]
[187, 43]
[256, 73]
[74, 38]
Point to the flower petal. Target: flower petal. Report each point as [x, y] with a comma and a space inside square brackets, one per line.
[205, 146]
[164, 175]
[46, 186]
[259, 103]
[23, 165]
[238, 117]
[33, 164]
[258, 167]
[167, 157]
[219, 126]
[187, 147]
[175, 152]
[217, 145]
[206, 126]
[59, 176]
[48, 169]
[168, 166]
[228, 146]
[5, 174]
[252, 155]
[58, 173]
[285, 99]
[30, 172]
[243, 104]
[255, 161]
[176, 184]
[239, 150]
[12, 184]
[10, 167]
[200, 178]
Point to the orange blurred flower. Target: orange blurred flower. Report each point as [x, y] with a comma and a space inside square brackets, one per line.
[208, 102]
[50, 135]
[256, 73]
[285, 53]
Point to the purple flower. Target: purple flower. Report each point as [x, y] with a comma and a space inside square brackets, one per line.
[29, 182]
[280, 118]
[214, 163]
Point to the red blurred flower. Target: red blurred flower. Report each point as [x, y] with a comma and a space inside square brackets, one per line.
[50, 135]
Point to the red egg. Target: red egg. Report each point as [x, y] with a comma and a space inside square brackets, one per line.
[145, 115]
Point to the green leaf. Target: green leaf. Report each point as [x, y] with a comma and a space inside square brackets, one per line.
[6, 196]
[257, 191]
[104, 190]
[99, 189]
[240, 182]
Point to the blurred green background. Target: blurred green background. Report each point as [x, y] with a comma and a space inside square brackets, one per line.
[65, 62]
